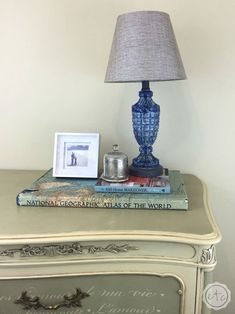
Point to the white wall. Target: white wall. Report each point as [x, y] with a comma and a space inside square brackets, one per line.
[53, 57]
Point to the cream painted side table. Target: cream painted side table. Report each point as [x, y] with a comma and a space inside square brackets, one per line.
[103, 261]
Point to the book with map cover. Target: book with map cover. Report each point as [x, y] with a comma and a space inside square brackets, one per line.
[70, 192]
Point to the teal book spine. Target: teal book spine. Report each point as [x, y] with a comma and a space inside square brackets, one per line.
[49, 191]
[159, 184]
[131, 189]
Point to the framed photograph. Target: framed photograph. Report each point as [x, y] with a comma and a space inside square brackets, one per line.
[76, 155]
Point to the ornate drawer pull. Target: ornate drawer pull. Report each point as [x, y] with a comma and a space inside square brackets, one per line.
[34, 302]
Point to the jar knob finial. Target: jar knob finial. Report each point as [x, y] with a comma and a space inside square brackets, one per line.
[115, 147]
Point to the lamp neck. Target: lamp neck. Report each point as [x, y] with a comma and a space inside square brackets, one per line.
[145, 91]
[145, 86]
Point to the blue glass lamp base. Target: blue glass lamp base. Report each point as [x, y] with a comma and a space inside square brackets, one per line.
[145, 122]
[146, 172]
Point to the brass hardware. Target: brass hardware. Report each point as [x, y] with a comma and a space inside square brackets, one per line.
[34, 302]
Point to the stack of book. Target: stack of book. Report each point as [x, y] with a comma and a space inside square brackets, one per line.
[164, 192]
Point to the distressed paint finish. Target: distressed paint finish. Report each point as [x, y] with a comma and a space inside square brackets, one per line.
[121, 256]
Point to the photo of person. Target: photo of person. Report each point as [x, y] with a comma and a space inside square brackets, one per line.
[76, 154]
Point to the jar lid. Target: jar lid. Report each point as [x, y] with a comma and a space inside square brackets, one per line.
[115, 154]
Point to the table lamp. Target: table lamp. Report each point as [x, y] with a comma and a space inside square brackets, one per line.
[144, 49]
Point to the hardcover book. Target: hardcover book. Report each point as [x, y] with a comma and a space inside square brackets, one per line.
[134, 184]
[70, 192]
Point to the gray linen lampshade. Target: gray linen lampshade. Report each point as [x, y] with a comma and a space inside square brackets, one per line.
[144, 48]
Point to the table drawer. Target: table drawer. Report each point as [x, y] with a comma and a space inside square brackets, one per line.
[99, 293]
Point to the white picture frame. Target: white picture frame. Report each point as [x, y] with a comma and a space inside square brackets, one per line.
[76, 155]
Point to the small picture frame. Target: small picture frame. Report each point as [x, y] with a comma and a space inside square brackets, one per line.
[76, 155]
